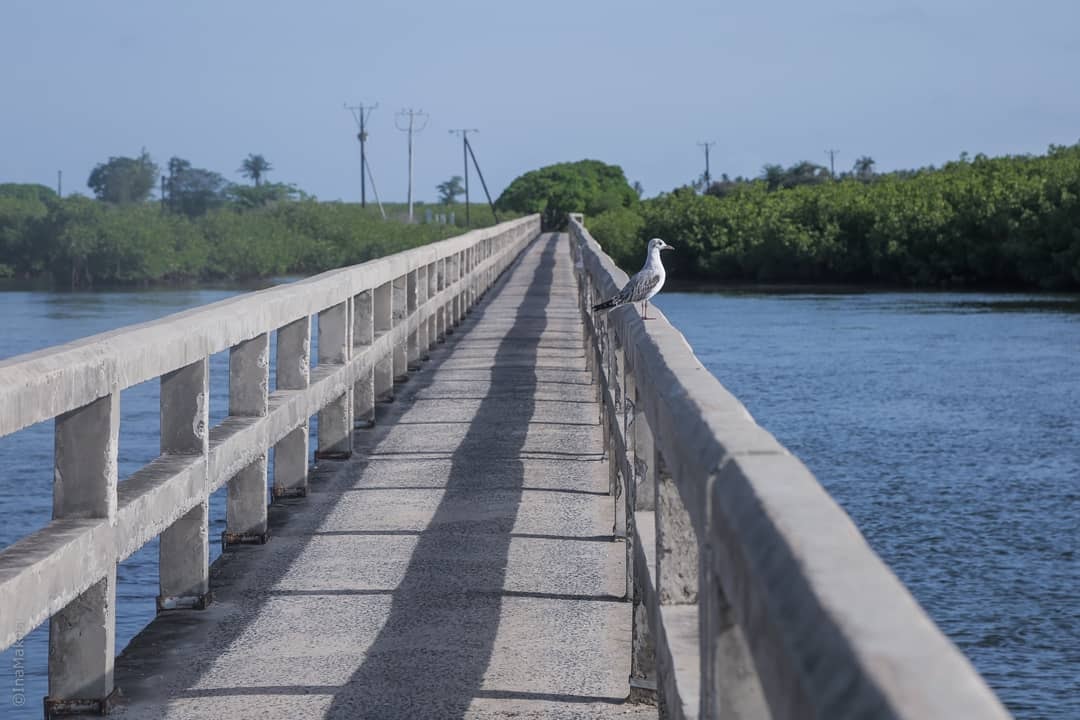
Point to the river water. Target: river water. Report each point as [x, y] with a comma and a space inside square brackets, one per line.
[947, 425]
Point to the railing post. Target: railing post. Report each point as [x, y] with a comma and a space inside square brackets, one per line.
[412, 294]
[293, 373]
[335, 348]
[616, 424]
[676, 577]
[642, 490]
[363, 336]
[82, 636]
[400, 307]
[676, 542]
[384, 323]
[730, 686]
[432, 289]
[249, 381]
[466, 282]
[458, 309]
[184, 550]
[441, 312]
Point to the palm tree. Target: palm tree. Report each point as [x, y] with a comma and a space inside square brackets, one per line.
[254, 167]
[773, 175]
[864, 167]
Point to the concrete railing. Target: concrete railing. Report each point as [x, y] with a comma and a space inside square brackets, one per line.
[755, 596]
[375, 320]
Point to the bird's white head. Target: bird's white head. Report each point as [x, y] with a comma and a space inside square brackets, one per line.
[656, 245]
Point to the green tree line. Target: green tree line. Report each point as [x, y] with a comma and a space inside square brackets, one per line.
[982, 222]
[203, 228]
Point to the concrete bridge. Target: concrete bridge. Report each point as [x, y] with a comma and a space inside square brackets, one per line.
[518, 509]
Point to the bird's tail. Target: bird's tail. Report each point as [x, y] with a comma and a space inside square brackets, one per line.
[604, 305]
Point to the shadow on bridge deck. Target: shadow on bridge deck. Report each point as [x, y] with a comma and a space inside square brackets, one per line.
[461, 565]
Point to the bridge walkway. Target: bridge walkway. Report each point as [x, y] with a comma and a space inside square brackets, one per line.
[460, 565]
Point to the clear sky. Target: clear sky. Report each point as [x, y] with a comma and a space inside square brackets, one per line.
[908, 82]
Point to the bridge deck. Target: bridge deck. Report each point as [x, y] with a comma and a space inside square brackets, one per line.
[461, 565]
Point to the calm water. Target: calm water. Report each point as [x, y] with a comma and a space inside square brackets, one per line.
[948, 426]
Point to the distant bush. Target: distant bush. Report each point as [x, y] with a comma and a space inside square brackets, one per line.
[82, 241]
[1002, 222]
[619, 232]
[586, 186]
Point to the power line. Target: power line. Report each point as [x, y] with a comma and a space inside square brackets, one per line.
[832, 162]
[464, 134]
[412, 129]
[361, 113]
[706, 145]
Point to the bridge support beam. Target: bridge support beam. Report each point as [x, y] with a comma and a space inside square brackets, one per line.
[363, 335]
[335, 348]
[184, 552]
[249, 381]
[82, 636]
[293, 373]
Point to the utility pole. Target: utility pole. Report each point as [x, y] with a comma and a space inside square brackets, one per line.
[60, 183]
[464, 133]
[468, 146]
[832, 162]
[414, 117]
[360, 113]
[706, 145]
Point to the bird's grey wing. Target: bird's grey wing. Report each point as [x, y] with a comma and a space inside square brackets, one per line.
[638, 287]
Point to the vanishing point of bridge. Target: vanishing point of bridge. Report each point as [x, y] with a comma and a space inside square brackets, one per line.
[558, 515]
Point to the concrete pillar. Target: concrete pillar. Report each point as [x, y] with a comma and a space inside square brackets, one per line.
[82, 635]
[184, 549]
[676, 543]
[730, 687]
[363, 335]
[470, 284]
[412, 295]
[455, 281]
[249, 380]
[615, 429]
[335, 348]
[384, 322]
[432, 290]
[441, 312]
[644, 455]
[629, 500]
[641, 491]
[293, 372]
[400, 307]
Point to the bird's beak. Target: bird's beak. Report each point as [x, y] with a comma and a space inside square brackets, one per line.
[667, 247]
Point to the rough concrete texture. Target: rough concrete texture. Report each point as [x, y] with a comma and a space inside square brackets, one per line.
[461, 565]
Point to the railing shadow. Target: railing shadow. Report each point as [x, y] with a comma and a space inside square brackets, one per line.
[243, 569]
[437, 642]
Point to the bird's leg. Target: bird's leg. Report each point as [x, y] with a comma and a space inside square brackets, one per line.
[644, 309]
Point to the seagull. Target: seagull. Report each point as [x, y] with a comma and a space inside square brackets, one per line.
[644, 284]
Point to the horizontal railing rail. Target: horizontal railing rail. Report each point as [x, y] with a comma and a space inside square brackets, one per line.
[374, 322]
[754, 594]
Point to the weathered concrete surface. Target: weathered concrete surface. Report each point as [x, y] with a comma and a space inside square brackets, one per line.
[461, 565]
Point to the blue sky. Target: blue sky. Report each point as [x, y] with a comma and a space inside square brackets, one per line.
[908, 82]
